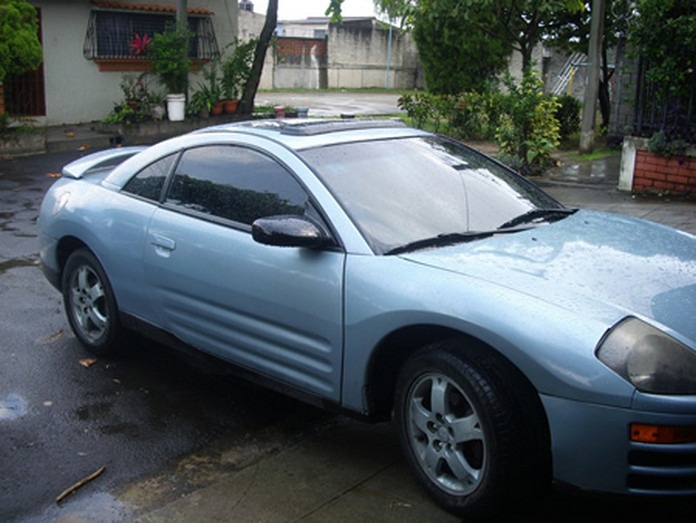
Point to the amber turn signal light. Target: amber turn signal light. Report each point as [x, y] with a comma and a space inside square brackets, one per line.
[642, 433]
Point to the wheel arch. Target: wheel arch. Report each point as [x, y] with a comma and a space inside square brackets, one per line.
[395, 348]
[66, 246]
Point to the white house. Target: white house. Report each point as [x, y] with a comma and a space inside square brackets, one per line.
[89, 45]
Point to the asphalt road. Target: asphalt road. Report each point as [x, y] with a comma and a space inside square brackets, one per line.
[61, 420]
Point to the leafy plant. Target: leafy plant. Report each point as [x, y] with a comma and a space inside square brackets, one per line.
[122, 113]
[475, 115]
[208, 92]
[664, 33]
[169, 52]
[140, 45]
[568, 115]
[236, 67]
[660, 144]
[419, 107]
[528, 132]
[134, 87]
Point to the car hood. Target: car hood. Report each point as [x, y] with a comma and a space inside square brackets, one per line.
[599, 265]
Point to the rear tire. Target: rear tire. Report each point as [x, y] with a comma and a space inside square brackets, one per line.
[471, 429]
[90, 304]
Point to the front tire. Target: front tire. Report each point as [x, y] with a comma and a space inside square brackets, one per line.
[90, 304]
[471, 430]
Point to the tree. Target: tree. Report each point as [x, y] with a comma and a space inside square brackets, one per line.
[488, 30]
[246, 105]
[455, 46]
[664, 33]
[20, 48]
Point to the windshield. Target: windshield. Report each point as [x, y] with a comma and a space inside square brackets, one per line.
[403, 191]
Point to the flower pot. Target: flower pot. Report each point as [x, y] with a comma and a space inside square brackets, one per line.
[175, 107]
[217, 108]
[279, 111]
[231, 106]
[157, 112]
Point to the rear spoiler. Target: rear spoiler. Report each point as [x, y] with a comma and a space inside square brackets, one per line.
[101, 160]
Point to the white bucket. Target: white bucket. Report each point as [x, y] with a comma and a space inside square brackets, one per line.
[175, 107]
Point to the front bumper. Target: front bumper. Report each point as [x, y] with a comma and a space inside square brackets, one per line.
[592, 449]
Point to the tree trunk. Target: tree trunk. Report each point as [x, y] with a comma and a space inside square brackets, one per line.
[246, 104]
[587, 131]
[603, 93]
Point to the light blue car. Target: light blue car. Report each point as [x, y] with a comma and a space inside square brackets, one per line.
[390, 273]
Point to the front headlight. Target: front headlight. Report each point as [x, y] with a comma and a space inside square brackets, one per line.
[648, 358]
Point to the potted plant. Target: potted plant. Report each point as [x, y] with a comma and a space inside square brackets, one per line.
[134, 89]
[169, 52]
[236, 68]
[207, 94]
[156, 101]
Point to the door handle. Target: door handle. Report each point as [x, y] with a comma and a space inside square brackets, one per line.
[163, 245]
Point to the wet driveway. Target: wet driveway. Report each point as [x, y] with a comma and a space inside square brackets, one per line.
[64, 415]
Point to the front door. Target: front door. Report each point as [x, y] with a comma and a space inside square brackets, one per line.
[274, 310]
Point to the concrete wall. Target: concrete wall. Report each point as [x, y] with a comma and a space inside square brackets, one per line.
[300, 63]
[358, 57]
[76, 91]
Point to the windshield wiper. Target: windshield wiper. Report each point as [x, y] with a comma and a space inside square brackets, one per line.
[442, 240]
[538, 215]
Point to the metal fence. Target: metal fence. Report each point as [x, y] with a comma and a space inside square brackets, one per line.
[671, 114]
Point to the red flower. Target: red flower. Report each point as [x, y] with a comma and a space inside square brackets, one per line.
[140, 45]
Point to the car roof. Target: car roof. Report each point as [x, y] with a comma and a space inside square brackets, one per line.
[292, 134]
[312, 132]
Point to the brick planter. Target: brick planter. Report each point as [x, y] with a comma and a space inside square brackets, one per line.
[643, 172]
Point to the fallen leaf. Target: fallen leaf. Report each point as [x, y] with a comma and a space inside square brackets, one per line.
[53, 175]
[70, 134]
[88, 362]
[84, 147]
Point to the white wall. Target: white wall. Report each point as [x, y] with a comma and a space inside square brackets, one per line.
[76, 91]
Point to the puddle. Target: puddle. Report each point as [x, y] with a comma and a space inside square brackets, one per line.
[12, 407]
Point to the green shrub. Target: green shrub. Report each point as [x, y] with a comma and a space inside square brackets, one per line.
[528, 131]
[419, 107]
[170, 58]
[568, 115]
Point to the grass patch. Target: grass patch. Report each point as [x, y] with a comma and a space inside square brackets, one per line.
[597, 154]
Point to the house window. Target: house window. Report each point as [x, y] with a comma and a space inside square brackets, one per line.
[117, 36]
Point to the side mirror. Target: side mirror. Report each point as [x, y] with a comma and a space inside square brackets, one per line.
[289, 231]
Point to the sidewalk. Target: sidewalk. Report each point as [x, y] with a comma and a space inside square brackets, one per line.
[593, 185]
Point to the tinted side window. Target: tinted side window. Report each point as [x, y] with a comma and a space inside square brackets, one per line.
[235, 183]
[148, 183]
